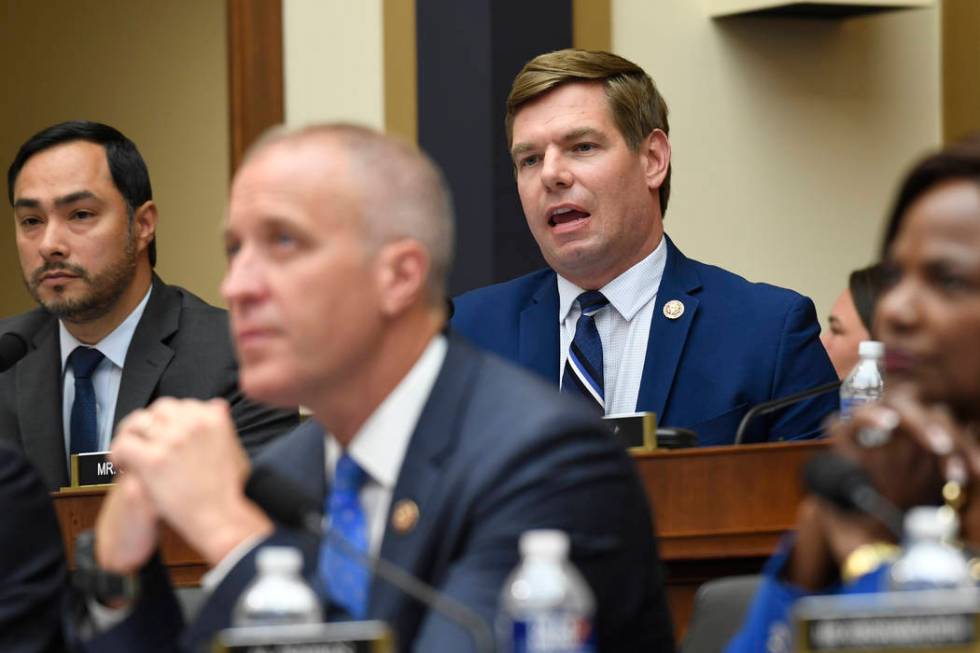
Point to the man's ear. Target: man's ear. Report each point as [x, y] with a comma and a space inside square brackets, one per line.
[145, 224]
[402, 272]
[655, 150]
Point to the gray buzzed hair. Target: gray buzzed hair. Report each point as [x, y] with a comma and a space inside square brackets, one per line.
[401, 190]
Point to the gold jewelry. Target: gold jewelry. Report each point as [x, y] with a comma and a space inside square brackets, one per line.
[953, 495]
[866, 559]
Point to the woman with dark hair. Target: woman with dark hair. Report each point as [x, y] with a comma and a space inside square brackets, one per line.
[927, 425]
[851, 318]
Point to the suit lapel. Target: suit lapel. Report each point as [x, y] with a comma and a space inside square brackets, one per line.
[148, 355]
[39, 408]
[538, 344]
[418, 480]
[668, 336]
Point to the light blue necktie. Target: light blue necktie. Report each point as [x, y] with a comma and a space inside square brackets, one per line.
[345, 578]
[583, 366]
[84, 426]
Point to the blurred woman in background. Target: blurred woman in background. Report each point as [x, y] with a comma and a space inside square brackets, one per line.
[851, 318]
[926, 427]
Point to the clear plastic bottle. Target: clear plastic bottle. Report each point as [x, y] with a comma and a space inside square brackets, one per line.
[546, 605]
[865, 383]
[278, 595]
[929, 559]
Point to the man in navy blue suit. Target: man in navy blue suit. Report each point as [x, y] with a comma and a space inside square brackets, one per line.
[423, 451]
[690, 342]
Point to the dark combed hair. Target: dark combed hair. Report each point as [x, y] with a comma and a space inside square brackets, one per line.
[959, 161]
[126, 165]
[866, 287]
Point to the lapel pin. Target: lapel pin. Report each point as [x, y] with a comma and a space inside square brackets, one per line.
[404, 516]
[673, 309]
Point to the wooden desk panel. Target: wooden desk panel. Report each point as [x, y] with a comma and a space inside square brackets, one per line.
[77, 510]
[720, 511]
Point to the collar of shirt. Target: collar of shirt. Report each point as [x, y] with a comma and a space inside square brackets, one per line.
[627, 293]
[115, 345]
[380, 444]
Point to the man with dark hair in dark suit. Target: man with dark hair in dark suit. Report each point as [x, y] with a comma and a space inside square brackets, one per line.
[109, 336]
[437, 456]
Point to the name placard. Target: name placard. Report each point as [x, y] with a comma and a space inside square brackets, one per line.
[88, 469]
[946, 621]
[340, 637]
[634, 430]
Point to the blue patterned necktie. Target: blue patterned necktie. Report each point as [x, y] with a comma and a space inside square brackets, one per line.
[345, 578]
[84, 426]
[583, 365]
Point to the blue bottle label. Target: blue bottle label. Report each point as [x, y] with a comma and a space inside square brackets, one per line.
[554, 633]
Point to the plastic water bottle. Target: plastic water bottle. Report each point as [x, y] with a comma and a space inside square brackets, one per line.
[546, 605]
[865, 383]
[278, 595]
[929, 559]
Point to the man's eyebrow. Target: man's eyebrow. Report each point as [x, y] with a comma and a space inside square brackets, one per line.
[521, 148]
[581, 132]
[70, 198]
[573, 135]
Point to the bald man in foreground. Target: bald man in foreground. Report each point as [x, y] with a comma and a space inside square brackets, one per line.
[339, 241]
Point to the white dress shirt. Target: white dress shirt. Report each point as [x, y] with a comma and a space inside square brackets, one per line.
[623, 326]
[105, 378]
[380, 445]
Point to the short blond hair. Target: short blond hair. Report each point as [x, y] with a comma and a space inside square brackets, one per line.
[636, 105]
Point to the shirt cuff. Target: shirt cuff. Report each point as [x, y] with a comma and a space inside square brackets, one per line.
[213, 578]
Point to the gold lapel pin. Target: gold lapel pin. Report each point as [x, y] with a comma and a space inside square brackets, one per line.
[673, 309]
[404, 516]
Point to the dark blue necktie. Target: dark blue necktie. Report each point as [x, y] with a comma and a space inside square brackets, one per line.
[84, 426]
[345, 578]
[583, 366]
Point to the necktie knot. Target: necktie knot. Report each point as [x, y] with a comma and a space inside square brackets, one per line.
[348, 477]
[84, 360]
[591, 301]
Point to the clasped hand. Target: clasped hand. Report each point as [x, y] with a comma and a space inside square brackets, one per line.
[183, 465]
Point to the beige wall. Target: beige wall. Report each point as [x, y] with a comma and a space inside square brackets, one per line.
[155, 70]
[333, 61]
[789, 136]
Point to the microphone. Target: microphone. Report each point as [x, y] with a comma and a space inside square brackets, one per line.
[12, 349]
[845, 484]
[285, 502]
[773, 405]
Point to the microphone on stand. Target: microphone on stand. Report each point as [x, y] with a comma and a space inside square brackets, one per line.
[281, 498]
[773, 405]
[846, 484]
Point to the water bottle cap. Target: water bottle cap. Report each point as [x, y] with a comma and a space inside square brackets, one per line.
[550, 543]
[930, 522]
[871, 348]
[279, 559]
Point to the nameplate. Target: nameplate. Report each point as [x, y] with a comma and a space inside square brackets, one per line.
[635, 431]
[88, 469]
[340, 637]
[945, 621]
